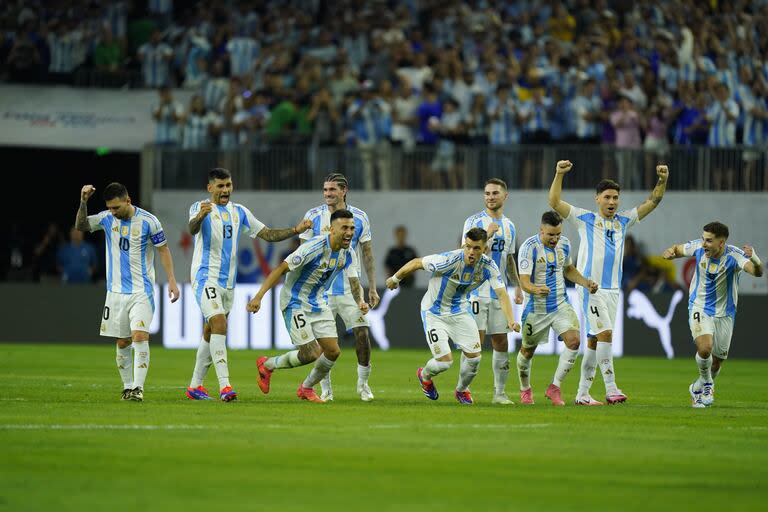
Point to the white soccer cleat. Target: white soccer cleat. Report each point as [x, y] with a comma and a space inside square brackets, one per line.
[327, 396]
[502, 399]
[697, 400]
[708, 393]
[586, 400]
[364, 390]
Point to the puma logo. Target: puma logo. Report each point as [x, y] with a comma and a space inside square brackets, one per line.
[376, 319]
[641, 308]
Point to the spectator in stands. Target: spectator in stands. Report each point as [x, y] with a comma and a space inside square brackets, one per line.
[108, 54]
[371, 119]
[627, 122]
[44, 253]
[400, 254]
[587, 109]
[448, 173]
[24, 61]
[168, 113]
[721, 116]
[76, 260]
[198, 125]
[155, 57]
[656, 143]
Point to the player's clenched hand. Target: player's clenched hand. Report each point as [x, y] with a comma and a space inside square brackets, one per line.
[392, 284]
[592, 286]
[518, 295]
[173, 292]
[86, 192]
[373, 297]
[303, 226]
[541, 290]
[254, 305]
[669, 253]
[563, 166]
[492, 229]
[364, 307]
[748, 250]
[514, 326]
[662, 171]
[205, 208]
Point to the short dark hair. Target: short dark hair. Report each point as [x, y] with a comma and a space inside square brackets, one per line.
[115, 190]
[497, 181]
[718, 229]
[551, 218]
[477, 235]
[607, 185]
[218, 173]
[341, 214]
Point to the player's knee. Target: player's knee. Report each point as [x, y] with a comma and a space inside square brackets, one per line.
[218, 324]
[572, 341]
[527, 352]
[140, 336]
[605, 336]
[309, 353]
[361, 335]
[332, 353]
[444, 365]
[124, 343]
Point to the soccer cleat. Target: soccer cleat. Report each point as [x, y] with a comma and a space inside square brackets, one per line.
[264, 374]
[708, 393]
[198, 393]
[464, 397]
[586, 400]
[502, 399]
[308, 394]
[553, 393]
[126, 394]
[697, 399]
[326, 396]
[364, 390]
[616, 398]
[227, 394]
[526, 397]
[427, 386]
[137, 395]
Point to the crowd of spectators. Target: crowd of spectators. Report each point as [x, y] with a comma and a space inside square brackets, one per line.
[377, 74]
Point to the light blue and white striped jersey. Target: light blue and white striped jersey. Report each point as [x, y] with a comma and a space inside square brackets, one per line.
[727, 77]
[115, 16]
[504, 129]
[155, 66]
[715, 284]
[313, 267]
[501, 245]
[215, 256]
[536, 115]
[582, 105]
[167, 127]
[129, 249]
[452, 281]
[213, 90]
[688, 72]
[197, 130]
[601, 244]
[66, 51]
[242, 54]
[160, 6]
[668, 76]
[321, 225]
[722, 132]
[371, 120]
[753, 134]
[545, 266]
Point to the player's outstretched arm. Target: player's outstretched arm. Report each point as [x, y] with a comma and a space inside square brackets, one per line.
[556, 189]
[81, 220]
[167, 262]
[529, 287]
[514, 278]
[406, 270]
[370, 271]
[357, 293]
[657, 194]
[572, 274]
[278, 235]
[754, 266]
[506, 307]
[673, 252]
[255, 303]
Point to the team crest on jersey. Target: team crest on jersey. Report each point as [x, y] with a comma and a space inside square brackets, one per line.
[437, 350]
[135, 232]
[466, 276]
[124, 231]
[304, 335]
[550, 257]
[712, 268]
[225, 217]
[332, 263]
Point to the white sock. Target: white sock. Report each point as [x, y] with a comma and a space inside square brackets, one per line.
[500, 366]
[323, 365]
[434, 367]
[363, 372]
[467, 371]
[524, 371]
[567, 360]
[124, 361]
[605, 361]
[140, 363]
[588, 368]
[705, 370]
[219, 354]
[325, 384]
[203, 361]
[284, 361]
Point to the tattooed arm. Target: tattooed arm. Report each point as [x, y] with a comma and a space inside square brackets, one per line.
[277, 235]
[81, 221]
[370, 271]
[657, 194]
[357, 294]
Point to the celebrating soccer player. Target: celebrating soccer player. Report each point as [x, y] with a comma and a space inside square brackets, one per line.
[130, 234]
[712, 302]
[312, 270]
[545, 259]
[601, 251]
[217, 224]
[445, 309]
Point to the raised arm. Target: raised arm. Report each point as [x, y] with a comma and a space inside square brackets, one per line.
[754, 266]
[277, 235]
[407, 269]
[506, 307]
[197, 220]
[556, 189]
[370, 271]
[167, 262]
[572, 274]
[657, 194]
[255, 303]
[673, 252]
[81, 220]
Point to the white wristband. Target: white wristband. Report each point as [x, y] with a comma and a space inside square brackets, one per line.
[754, 259]
[395, 279]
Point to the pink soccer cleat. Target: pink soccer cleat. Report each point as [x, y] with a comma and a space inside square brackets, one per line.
[526, 397]
[264, 374]
[616, 398]
[308, 394]
[464, 397]
[553, 393]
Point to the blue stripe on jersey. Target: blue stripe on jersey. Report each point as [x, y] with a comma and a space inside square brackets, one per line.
[551, 282]
[306, 271]
[424, 321]
[226, 252]
[107, 223]
[589, 219]
[316, 226]
[623, 221]
[202, 272]
[584, 308]
[148, 288]
[436, 305]
[711, 290]
[730, 277]
[334, 256]
[692, 297]
[126, 283]
[528, 308]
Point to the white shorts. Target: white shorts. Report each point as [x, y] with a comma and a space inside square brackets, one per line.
[489, 315]
[126, 312]
[599, 310]
[213, 299]
[535, 326]
[305, 327]
[461, 329]
[719, 327]
[345, 307]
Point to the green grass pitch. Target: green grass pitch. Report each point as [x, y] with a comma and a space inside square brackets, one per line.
[69, 443]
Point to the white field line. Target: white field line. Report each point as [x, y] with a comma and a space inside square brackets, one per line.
[96, 426]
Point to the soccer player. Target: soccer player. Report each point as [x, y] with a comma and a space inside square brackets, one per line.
[130, 234]
[217, 223]
[312, 270]
[335, 189]
[713, 299]
[485, 303]
[601, 250]
[445, 309]
[545, 262]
